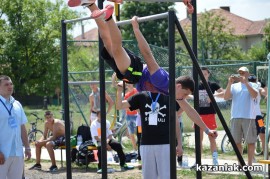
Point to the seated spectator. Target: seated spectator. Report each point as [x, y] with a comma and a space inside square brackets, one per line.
[57, 128]
[111, 143]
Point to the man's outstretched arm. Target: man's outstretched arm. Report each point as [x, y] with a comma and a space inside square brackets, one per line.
[195, 117]
[144, 47]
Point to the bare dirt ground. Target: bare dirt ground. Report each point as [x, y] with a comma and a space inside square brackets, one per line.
[78, 172]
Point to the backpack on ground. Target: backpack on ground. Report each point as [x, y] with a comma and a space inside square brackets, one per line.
[83, 152]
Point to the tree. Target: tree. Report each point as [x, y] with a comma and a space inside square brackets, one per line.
[215, 37]
[267, 35]
[154, 31]
[257, 52]
[30, 34]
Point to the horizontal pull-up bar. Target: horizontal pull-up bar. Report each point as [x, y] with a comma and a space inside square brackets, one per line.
[85, 82]
[125, 22]
[144, 19]
[156, 0]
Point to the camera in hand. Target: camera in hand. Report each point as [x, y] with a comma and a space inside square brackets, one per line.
[235, 75]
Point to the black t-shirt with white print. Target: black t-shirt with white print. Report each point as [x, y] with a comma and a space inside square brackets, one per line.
[205, 106]
[152, 134]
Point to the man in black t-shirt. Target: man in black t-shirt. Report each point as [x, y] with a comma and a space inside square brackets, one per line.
[154, 109]
[207, 111]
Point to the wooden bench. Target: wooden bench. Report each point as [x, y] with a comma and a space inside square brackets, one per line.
[89, 148]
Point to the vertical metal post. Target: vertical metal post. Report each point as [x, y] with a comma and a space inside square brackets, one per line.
[196, 90]
[172, 118]
[268, 112]
[66, 96]
[102, 107]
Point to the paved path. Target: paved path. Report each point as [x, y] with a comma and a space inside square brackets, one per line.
[191, 143]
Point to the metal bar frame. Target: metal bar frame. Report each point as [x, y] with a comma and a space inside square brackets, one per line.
[65, 83]
[151, 1]
[172, 105]
[211, 96]
[125, 22]
[86, 82]
[171, 87]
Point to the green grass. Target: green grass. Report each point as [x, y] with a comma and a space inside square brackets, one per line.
[78, 120]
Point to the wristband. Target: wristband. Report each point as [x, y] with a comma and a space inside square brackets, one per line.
[27, 148]
[206, 131]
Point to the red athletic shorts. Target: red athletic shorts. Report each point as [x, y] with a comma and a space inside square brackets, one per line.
[209, 120]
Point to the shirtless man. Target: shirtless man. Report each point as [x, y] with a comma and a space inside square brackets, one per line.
[57, 129]
[94, 99]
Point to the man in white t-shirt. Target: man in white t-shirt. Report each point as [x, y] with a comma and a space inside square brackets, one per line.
[111, 143]
[243, 95]
[259, 118]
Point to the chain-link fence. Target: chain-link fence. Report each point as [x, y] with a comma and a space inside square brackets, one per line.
[82, 75]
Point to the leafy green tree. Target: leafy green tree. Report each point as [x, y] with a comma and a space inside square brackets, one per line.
[257, 52]
[155, 32]
[267, 35]
[30, 34]
[215, 37]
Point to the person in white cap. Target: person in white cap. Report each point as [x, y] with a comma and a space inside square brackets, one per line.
[243, 94]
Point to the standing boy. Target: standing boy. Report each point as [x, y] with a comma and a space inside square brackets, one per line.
[154, 110]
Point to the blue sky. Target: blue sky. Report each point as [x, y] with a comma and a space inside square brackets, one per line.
[249, 9]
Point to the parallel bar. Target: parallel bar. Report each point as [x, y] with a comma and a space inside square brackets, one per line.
[145, 18]
[156, 0]
[78, 19]
[86, 82]
[125, 22]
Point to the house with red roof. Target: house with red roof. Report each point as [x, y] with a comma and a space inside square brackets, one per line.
[251, 32]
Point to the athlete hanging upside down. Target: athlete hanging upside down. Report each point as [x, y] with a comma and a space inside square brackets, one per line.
[126, 64]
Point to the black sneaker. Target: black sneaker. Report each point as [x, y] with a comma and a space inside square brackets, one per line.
[193, 167]
[179, 160]
[53, 168]
[35, 167]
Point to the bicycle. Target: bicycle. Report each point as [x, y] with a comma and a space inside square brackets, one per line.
[121, 133]
[226, 145]
[34, 133]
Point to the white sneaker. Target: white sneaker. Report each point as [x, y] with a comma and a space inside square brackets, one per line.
[74, 3]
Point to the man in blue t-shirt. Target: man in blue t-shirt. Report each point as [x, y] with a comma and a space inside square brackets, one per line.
[243, 114]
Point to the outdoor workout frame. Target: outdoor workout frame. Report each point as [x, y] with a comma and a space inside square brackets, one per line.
[172, 19]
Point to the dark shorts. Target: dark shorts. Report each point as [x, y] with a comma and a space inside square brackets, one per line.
[260, 124]
[133, 73]
[60, 141]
